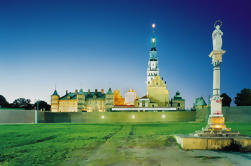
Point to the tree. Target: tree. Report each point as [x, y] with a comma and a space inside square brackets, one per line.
[226, 101]
[243, 98]
[3, 101]
[42, 105]
[22, 103]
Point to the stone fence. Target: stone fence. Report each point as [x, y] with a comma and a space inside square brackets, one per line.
[231, 114]
[29, 116]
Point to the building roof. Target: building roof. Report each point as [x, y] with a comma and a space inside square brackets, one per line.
[199, 102]
[69, 96]
[92, 95]
[144, 97]
[109, 91]
[81, 92]
[177, 96]
[88, 95]
[55, 93]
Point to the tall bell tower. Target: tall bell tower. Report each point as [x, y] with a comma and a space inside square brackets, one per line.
[152, 69]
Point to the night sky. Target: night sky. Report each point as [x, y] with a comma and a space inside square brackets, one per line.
[100, 44]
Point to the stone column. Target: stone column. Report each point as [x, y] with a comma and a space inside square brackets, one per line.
[216, 120]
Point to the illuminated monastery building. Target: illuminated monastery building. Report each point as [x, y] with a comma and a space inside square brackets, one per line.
[82, 101]
[156, 99]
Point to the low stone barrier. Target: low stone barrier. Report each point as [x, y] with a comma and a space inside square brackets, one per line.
[239, 143]
[17, 116]
[116, 117]
[231, 114]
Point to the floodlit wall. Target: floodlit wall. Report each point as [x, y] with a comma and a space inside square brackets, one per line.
[116, 117]
[237, 114]
[231, 114]
[17, 116]
[201, 114]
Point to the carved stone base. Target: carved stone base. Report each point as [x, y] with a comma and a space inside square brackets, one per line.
[214, 133]
[216, 128]
[217, 123]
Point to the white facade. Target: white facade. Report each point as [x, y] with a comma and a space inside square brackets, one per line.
[152, 70]
[130, 97]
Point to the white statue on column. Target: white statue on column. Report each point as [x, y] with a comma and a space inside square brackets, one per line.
[217, 37]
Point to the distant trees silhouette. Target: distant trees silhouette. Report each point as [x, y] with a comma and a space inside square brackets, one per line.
[23, 104]
[226, 101]
[243, 98]
[3, 102]
[42, 105]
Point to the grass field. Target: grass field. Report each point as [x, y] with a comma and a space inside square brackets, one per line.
[91, 144]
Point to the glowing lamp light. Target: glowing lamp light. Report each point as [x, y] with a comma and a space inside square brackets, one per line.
[102, 117]
[133, 116]
[153, 40]
[153, 25]
[163, 116]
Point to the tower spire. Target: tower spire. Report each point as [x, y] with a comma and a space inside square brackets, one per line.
[153, 41]
[152, 69]
[153, 51]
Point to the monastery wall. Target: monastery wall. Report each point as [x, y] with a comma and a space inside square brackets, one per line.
[231, 114]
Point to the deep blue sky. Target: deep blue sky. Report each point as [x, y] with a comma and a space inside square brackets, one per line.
[101, 44]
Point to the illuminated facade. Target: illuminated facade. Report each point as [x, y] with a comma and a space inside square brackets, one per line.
[82, 101]
[130, 97]
[157, 92]
[118, 99]
[178, 102]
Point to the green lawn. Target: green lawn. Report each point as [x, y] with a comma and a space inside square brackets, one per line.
[67, 144]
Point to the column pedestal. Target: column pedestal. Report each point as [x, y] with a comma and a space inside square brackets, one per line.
[216, 123]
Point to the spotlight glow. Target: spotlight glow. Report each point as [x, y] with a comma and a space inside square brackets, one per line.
[102, 117]
[163, 116]
[153, 25]
[133, 116]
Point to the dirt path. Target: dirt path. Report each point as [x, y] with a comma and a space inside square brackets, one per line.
[123, 148]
